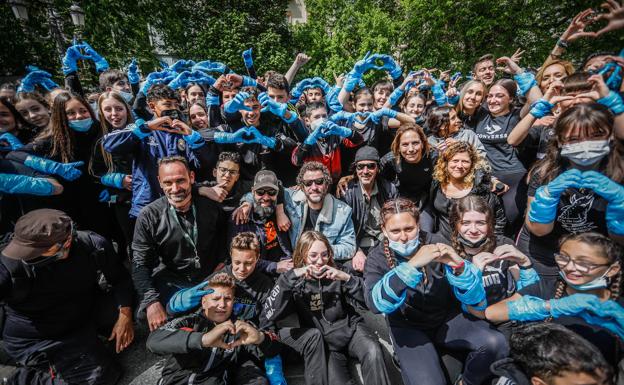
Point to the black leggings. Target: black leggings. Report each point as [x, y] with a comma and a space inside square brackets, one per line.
[420, 363]
[514, 201]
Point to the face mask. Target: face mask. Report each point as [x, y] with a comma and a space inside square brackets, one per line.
[404, 249]
[598, 283]
[471, 244]
[127, 96]
[45, 261]
[81, 125]
[315, 124]
[586, 153]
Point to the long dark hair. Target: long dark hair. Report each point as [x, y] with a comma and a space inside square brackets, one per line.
[462, 206]
[58, 131]
[20, 123]
[587, 116]
[438, 121]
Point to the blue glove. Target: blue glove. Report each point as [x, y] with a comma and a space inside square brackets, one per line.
[377, 115]
[68, 171]
[456, 76]
[609, 315]
[104, 196]
[237, 104]
[527, 278]
[248, 58]
[613, 101]
[70, 60]
[11, 140]
[544, 207]
[615, 78]
[395, 96]
[209, 66]
[389, 65]
[163, 65]
[468, 286]
[527, 308]
[249, 82]
[212, 99]
[331, 98]
[276, 108]
[329, 128]
[36, 77]
[22, 184]
[274, 372]
[153, 78]
[610, 190]
[101, 64]
[439, 95]
[363, 65]
[113, 179]
[573, 305]
[194, 140]
[453, 100]
[318, 82]
[188, 299]
[182, 65]
[297, 91]
[257, 137]
[314, 136]
[525, 81]
[49, 84]
[133, 72]
[201, 78]
[348, 117]
[541, 108]
[180, 81]
[230, 137]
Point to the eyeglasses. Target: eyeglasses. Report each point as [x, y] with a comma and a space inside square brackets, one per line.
[318, 182]
[225, 171]
[362, 166]
[271, 192]
[582, 267]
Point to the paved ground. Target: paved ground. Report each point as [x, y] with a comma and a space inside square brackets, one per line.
[141, 366]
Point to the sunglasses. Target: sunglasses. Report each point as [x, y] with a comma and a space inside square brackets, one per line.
[318, 182]
[362, 166]
[271, 192]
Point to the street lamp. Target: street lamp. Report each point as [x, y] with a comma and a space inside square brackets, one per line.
[78, 19]
[19, 10]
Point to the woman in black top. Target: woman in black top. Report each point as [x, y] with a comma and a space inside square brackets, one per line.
[470, 98]
[409, 166]
[460, 172]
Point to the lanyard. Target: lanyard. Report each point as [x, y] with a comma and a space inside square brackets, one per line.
[191, 238]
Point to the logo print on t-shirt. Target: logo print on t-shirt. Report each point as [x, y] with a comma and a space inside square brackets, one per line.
[573, 217]
[492, 128]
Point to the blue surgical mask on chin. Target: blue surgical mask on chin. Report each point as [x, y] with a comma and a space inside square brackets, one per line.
[404, 249]
[81, 125]
[598, 283]
[127, 96]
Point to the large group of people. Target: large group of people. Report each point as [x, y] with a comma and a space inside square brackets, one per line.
[248, 221]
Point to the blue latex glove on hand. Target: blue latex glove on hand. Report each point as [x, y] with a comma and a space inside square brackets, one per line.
[153, 78]
[273, 369]
[113, 179]
[9, 142]
[68, 171]
[133, 72]
[248, 58]
[188, 299]
[318, 82]
[544, 207]
[212, 99]
[376, 116]
[527, 308]
[36, 77]
[209, 66]
[180, 81]
[602, 185]
[237, 104]
[268, 104]
[541, 108]
[609, 315]
[363, 65]
[252, 135]
[568, 179]
[22, 184]
[101, 64]
[315, 135]
[526, 81]
[70, 60]
[329, 128]
[194, 140]
[104, 196]
[389, 64]
[573, 304]
[182, 65]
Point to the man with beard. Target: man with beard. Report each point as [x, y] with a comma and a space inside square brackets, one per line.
[366, 194]
[275, 247]
[177, 231]
[311, 207]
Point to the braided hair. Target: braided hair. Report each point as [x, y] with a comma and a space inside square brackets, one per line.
[393, 207]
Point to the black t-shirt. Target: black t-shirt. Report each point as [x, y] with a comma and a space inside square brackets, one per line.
[493, 132]
[497, 279]
[603, 339]
[273, 250]
[311, 218]
[412, 180]
[579, 211]
[540, 136]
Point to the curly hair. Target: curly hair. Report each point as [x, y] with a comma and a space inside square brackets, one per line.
[460, 207]
[222, 280]
[305, 243]
[314, 166]
[245, 241]
[395, 147]
[440, 171]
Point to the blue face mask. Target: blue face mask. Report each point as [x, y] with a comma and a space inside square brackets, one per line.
[598, 283]
[127, 96]
[81, 125]
[404, 249]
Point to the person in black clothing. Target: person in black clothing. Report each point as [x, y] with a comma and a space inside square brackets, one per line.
[227, 188]
[13, 122]
[211, 346]
[325, 299]
[408, 278]
[62, 287]
[547, 353]
[409, 166]
[366, 193]
[178, 231]
[275, 250]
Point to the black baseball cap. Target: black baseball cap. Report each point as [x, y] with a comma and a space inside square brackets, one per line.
[36, 232]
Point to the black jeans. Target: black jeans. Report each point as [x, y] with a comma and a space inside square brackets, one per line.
[419, 359]
[310, 344]
[248, 373]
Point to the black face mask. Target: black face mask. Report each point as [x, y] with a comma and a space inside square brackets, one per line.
[471, 244]
[173, 114]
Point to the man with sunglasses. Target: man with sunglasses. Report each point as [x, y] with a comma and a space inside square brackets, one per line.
[275, 247]
[61, 288]
[366, 194]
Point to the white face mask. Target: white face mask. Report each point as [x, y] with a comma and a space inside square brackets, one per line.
[586, 153]
[315, 124]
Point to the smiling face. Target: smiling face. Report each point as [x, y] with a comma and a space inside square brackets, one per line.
[34, 112]
[459, 166]
[176, 181]
[401, 227]
[317, 188]
[473, 226]
[195, 94]
[411, 147]
[366, 171]
[498, 100]
[455, 123]
[243, 263]
[217, 306]
[364, 103]
[114, 113]
[415, 106]
[75, 110]
[381, 97]
[198, 117]
[485, 71]
[251, 118]
[7, 120]
[585, 254]
[317, 254]
[552, 73]
[473, 96]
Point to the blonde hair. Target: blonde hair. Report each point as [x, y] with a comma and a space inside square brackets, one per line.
[245, 241]
[305, 243]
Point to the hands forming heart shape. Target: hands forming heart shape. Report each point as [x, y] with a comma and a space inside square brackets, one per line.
[599, 183]
[228, 335]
